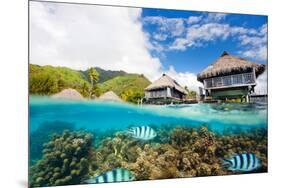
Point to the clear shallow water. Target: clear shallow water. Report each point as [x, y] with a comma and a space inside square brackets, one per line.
[93, 115]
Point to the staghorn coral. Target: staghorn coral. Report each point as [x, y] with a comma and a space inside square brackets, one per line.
[65, 160]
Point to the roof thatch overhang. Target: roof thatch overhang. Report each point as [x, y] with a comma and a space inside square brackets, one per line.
[68, 94]
[164, 82]
[110, 96]
[227, 65]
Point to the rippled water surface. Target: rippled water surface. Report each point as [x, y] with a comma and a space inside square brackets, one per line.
[93, 115]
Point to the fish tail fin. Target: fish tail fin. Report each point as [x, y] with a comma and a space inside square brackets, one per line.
[225, 163]
[129, 132]
[90, 181]
[259, 162]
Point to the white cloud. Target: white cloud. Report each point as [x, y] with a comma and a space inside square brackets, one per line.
[215, 17]
[253, 42]
[171, 27]
[256, 53]
[81, 36]
[181, 44]
[198, 35]
[200, 31]
[160, 36]
[193, 19]
[185, 79]
[261, 87]
[256, 45]
[206, 18]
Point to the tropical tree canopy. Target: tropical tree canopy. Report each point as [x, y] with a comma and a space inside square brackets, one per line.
[93, 75]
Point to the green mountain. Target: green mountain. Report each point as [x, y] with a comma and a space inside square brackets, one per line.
[129, 87]
[104, 74]
[47, 80]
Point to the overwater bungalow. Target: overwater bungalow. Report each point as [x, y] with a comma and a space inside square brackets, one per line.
[230, 77]
[165, 90]
[69, 93]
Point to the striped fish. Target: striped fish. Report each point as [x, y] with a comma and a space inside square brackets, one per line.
[245, 162]
[115, 175]
[142, 132]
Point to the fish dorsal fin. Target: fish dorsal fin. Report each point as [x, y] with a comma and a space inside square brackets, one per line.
[233, 155]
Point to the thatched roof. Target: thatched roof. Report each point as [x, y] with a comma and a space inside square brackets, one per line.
[68, 94]
[163, 82]
[110, 96]
[227, 64]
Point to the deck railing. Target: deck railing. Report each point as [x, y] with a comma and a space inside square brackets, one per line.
[231, 80]
[156, 94]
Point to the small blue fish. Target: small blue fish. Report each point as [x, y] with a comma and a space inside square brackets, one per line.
[245, 162]
[115, 175]
[142, 132]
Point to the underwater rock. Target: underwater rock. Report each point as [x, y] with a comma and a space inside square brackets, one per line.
[61, 163]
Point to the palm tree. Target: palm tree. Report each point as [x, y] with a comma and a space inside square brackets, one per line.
[85, 90]
[94, 78]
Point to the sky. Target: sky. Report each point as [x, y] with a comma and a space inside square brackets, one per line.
[140, 40]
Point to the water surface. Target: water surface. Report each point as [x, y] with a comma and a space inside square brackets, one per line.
[93, 115]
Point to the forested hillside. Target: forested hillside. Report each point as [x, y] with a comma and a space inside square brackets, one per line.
[47, 80]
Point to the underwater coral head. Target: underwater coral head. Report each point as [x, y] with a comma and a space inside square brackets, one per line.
[115, 175]
[65, 160]
[43, 134]
[142, 132]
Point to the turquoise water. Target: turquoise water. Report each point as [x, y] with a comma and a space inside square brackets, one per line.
[104, 116]
[102, 145]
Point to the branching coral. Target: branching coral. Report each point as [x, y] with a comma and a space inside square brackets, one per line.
[184, 152]
[65, 160]
[113, 153]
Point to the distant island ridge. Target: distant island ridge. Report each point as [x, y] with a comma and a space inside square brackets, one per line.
[61, 81]
[50, 80]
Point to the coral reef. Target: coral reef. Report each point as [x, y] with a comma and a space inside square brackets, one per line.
[158, 161]
[43, 134]
[113, 153]
[184, 152]
[65, 160]
[179, 152]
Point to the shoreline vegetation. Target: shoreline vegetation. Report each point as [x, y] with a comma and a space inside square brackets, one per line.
[72, 156]
[91, 84]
